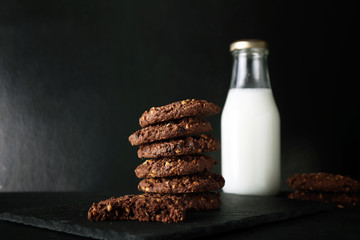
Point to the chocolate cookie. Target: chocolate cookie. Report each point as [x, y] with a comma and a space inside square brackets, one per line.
[143, 207]
[201, 201]
[179, 146]
[175, 165]
[153, 207]
[176, 110]
[341, 199]
[172, 129]
[195, 201]
[183, 184]
[324, 182]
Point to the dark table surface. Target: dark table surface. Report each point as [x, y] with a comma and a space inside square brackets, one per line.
[334, 223]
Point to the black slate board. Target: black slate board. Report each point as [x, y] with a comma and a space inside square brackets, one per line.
[236, 212]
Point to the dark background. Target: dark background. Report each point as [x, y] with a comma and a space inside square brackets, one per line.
[75, 76]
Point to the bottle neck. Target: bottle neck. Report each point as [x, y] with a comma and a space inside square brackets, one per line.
[250, 69]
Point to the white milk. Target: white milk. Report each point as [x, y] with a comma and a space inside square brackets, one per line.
[250, 142]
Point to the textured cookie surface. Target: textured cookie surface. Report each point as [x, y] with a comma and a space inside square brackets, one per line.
[324, 182]
[176, 110]
[183, 184]
[341, 199]
[175, 165]
[196, 201]
[143, 207]
[172, 129]
[179, 146]
[201, 201]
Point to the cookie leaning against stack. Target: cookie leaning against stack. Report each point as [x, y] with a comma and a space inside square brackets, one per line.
[325, 187]
[173, 140]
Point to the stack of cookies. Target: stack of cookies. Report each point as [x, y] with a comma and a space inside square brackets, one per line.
[176, 175]
[172, 140]
[325, 187]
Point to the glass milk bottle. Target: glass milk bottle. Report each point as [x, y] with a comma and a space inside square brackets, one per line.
[250, 125]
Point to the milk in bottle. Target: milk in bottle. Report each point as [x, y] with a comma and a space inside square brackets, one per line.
[250, 125]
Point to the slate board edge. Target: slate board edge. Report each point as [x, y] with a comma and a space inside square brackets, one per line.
[193, 233]
[66, 228]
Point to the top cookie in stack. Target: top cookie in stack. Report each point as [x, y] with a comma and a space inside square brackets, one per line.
[177, 110]
[172, 137]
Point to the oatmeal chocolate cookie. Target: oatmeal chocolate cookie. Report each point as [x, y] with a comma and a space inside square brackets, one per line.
[179, 146]
[176, 110]
[175, 165]
[324, 182]
[201, 201]
[341, 199]
[172, 129]
[203, 182]
[143, 207]
[195, 201]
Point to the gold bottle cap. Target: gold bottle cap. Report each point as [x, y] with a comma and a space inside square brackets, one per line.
[248, 43]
